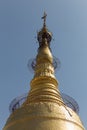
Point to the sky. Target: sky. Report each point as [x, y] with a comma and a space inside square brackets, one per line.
[19, 22]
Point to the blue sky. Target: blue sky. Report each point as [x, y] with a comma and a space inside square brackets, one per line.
[19, 22]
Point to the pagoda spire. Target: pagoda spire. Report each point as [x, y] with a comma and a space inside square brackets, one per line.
[44, 83]
[44, 108]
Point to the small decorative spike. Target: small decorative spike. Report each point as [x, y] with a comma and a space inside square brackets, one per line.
[44, 18]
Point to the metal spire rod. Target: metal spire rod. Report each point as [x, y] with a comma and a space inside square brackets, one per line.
[44, 18]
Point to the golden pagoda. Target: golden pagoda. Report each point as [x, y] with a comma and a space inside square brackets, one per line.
[44, 108]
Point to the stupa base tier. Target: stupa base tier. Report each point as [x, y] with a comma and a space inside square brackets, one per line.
[43, 116]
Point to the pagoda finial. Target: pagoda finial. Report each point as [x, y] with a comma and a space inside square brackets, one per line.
[44, 18]
[44, 34]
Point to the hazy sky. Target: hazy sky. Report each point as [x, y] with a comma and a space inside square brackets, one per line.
[19, 22]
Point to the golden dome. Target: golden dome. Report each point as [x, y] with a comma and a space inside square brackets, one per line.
[44, 108]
